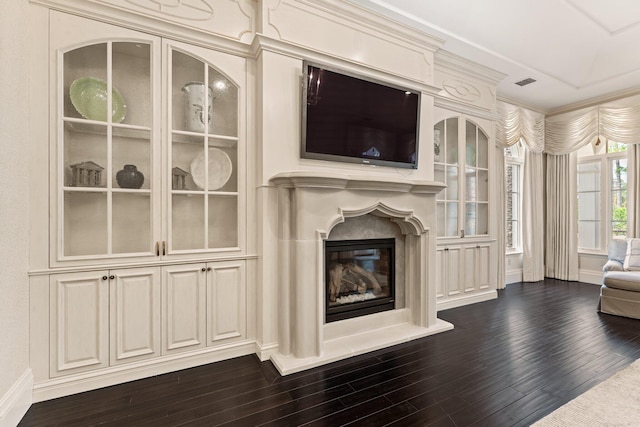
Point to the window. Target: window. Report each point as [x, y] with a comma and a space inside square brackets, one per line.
[513, 176]
[602, 195]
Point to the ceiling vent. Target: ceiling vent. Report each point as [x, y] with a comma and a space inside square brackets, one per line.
[525, 82]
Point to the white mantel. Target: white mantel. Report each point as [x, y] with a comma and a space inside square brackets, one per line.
[310, 204]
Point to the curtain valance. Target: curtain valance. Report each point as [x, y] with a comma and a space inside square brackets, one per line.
[515, 123]
[568, 132]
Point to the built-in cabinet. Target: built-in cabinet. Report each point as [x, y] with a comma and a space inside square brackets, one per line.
[147, 254]
[159, 176]
[463, 161]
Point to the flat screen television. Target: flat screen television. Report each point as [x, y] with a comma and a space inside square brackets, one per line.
[354, 119]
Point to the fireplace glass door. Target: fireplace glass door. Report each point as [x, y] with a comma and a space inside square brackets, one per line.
[359, 277]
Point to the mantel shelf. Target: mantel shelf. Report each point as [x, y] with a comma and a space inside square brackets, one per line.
[348, 182]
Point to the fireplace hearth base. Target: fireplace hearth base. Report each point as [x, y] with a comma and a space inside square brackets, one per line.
[358, 343]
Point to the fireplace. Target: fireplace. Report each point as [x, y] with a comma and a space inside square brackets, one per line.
[315, 208]
[360, 277]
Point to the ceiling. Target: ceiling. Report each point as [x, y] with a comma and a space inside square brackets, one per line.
[576, 50]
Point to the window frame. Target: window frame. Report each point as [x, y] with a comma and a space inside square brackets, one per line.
[517, 161]
[605, 229]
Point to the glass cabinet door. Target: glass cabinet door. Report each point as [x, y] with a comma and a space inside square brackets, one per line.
[203, 155]
[461, 161]
[106, 150]
[447, 171]
[476, 206]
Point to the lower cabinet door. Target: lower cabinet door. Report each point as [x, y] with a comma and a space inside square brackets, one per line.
[135, 314]
[183, 307]
[226, 302]
[79, 322]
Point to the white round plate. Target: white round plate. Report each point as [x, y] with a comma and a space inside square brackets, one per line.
[220, 168]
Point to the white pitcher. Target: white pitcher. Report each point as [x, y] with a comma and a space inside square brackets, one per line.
[195, 109]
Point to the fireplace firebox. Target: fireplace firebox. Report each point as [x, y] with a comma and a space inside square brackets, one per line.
[360, 277]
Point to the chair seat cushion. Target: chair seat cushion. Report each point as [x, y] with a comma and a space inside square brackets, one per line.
[625, 280]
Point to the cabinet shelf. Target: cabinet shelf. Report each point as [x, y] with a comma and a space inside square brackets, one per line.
[220, 141]
[201, 192]
[100, 128]
[146, 192]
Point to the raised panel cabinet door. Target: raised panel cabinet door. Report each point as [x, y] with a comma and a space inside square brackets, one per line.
[454, 265]
[226, 297]
[135, 314]
[470, 276]
[440, 273]
[484, 267]
[183, 307]
[79, 326]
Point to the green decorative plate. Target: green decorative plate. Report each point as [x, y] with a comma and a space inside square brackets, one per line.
[89, 97]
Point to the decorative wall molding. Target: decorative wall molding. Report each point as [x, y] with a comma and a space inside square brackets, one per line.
[352, 33]
[465, 81]
[461, 90]
[190, 10]
[232, 34]
[264, 43]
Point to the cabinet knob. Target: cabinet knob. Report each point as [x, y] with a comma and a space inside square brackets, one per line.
[208, 268]
[112, 277]
[104, 277]
[204, 269]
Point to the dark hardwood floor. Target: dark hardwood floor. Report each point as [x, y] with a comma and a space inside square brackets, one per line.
[508, 362]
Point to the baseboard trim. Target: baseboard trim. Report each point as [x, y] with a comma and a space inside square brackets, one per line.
[593, 277]
[264, 352]
[514, 276]
[78, 383]
[465, 300]
[17, 401]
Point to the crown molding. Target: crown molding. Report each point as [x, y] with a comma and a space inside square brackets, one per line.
[449, 61]
[610, 97]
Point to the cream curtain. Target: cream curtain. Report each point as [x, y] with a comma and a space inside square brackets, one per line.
[533, 218]
[633, 187]
[561, 249]
[514, 124]
[501, 221]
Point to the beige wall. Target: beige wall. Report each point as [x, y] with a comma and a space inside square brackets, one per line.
[14, 227]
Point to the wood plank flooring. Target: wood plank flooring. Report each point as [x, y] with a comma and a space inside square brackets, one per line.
[508, 362]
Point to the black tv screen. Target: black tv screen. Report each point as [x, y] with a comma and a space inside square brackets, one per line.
[353, 119]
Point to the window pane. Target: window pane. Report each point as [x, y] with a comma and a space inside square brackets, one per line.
[618, 176]
[615, 147]
[588, 234]
[452, 141]
[452, 183]
[452, 219]
[589, 177]
[589, 205]
[471, 158]
[438, 135]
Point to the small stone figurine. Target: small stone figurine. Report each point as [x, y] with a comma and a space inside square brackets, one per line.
[86, 174]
